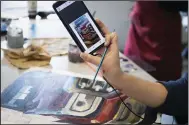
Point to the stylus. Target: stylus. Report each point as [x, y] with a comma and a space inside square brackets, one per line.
[99, 66]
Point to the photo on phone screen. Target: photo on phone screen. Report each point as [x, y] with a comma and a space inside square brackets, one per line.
[80, 25]
[85, 30]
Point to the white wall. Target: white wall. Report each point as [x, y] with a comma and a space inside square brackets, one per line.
[114, 14]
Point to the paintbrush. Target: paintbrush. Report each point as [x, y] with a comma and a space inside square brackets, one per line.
[99, 66]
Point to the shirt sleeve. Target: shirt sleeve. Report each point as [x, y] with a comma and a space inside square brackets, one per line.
[176, 102]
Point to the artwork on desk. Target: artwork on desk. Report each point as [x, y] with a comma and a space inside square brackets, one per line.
[126, 66]
[85, 30]
[68, 98]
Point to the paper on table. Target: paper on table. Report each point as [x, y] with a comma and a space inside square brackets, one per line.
[4, 46]
[52, 94]
[53, 46]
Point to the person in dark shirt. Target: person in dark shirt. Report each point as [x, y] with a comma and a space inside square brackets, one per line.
[176, 102]
[165, 97]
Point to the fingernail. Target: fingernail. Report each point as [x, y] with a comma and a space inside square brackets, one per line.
[113, 33]
[81, 55]
[105, 44]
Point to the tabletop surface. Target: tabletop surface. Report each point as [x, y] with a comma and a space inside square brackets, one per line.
[10, 73]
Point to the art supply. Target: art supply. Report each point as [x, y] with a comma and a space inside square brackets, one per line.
[105, 51]
[44, 14]
[15, 37]
[4, 24]
[74, 53]
[32, 9]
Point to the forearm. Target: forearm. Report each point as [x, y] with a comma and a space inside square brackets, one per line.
[149, 93]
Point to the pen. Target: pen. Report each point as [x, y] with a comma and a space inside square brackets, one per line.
[99, 66]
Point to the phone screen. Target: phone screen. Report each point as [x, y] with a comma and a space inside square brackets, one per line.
[78, 21]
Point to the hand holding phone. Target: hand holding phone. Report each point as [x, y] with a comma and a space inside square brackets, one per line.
[80, 24]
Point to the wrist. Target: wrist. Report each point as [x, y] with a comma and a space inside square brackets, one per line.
[117, 79]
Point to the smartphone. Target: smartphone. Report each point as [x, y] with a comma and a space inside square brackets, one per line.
[80, 24]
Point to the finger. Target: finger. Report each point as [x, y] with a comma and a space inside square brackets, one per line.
[107, 40]
[114, 38]
[89, 58]
[114, 41]
[102, 27]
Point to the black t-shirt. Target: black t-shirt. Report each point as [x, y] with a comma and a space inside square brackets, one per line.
[176, 102]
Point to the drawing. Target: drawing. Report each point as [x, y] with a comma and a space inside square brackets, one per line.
[68, 98]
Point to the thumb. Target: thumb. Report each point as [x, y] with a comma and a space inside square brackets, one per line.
[114, 42]
[114, 38]
[90, 58]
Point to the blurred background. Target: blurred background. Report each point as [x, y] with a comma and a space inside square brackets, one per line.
[101, 9]
[115, 14]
